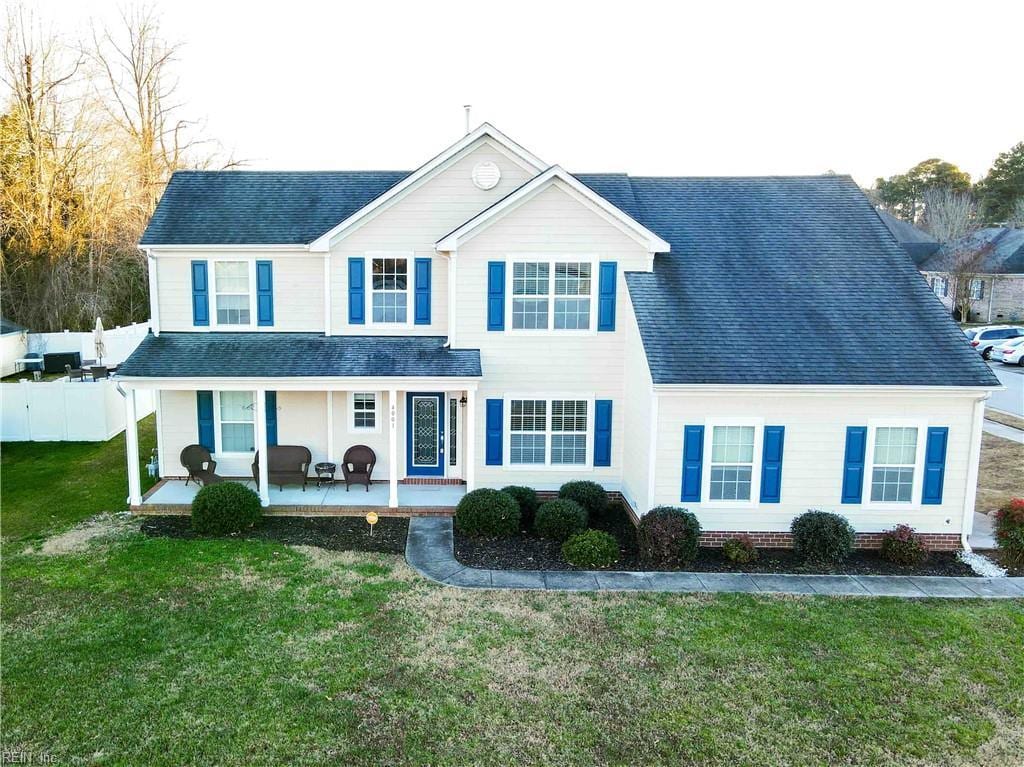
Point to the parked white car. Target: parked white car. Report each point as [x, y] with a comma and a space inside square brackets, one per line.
[1010, 352]
[985, 338]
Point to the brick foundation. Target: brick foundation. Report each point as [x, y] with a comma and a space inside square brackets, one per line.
[767, 540]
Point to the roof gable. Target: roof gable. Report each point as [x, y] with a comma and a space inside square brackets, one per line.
[1000, 249]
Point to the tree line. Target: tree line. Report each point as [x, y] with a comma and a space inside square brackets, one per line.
[89, 135]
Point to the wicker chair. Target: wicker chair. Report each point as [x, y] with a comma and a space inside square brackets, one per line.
[73, 374]
[357, 466]
[200, 465]
[288, 464]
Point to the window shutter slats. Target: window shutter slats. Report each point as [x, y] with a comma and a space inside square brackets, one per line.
[200, 294]
[204, 413]
[603, 432]
[693, 459]
[422, 291]
[935, 465]
[271, 418]
[606, 296]
[265, 293]
[853, 468]
[494, 425]
[357, 291]
[771, 464]
[496, 295]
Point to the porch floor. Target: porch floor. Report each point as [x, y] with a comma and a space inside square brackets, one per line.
[175, 493]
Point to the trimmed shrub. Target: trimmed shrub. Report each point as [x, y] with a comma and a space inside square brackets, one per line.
[668, 537]
[560, 519]
[590, 495]
[903, 546]
[526, 497]
[821, 537]
[227, 507]
[487, 512]
[1010, 532]
[740, 550]
[592, 549]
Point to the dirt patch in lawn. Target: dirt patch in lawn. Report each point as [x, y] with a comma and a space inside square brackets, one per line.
[528, 552]
[333, 533]
[82, 535]
[999, 475]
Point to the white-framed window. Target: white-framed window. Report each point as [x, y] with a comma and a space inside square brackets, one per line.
[551, 432]
[390, 289]
[895, 462]
[363, 411]
[552, 294]
[940, 286]
[236, 421]
[233, 293]
[977, 288]
[732, 447]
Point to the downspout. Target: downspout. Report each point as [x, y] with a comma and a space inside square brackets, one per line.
[973, 460]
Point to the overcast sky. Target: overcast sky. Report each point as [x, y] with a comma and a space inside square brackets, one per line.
[708, 88]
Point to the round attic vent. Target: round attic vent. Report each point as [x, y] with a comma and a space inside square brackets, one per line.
[486, 175]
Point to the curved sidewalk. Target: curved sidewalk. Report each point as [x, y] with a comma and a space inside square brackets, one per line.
[430, 549]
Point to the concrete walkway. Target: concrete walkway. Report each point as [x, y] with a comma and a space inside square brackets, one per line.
[1001, 430]
[431, 546]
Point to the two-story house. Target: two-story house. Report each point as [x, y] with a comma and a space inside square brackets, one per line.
[747, 348]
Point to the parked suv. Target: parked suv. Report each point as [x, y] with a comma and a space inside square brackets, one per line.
[984, 338]
[1010, 352]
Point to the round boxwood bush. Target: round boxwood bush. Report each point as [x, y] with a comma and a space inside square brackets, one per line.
[1010, 532]
[487, 512]
[903, 546]
[560, 519]
[590, 495]
[227, 507]
[822, 537]
[592, 549]
[667, 537]
[526, 497]
[740, 549]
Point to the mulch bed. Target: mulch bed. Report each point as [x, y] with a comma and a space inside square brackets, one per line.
[528, 552]
[334, 533]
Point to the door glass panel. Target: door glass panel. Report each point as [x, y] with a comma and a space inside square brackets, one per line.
[453, 419]
[424, 431]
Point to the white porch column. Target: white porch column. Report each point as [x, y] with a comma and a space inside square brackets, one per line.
[470, 441]
[261, 445]
[330, 426]
[131, 441]
[393, 448]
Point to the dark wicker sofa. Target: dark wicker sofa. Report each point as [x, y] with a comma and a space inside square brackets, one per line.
[287, 465]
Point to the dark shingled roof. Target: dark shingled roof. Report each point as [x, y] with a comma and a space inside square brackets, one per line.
[791, 280]
[918, 244]
[1001, 251]
[257, 355]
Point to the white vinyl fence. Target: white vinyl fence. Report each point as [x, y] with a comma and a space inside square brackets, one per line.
[120, 342]
[65, 411]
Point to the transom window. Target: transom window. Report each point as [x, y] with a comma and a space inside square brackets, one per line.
[732, 462]
[548, 432]
[894, 461]
[537, 304]
[232, 294]
[389, 301]
[237, 423]
[364, 411]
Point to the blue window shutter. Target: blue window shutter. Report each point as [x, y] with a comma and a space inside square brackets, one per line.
[422, 291]
[606, 296]
[495, 295]
[771, 464]
[200, 294]
[204, 412]
[934, 465]
[603, 432]
[271, 418]
[265, 293]
[853, 467]
[693, 459]
[357, 291]
[495, 423]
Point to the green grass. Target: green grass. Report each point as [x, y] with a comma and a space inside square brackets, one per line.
[48, 485]
[133, 650]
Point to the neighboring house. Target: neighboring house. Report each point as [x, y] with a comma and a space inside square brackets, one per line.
[748, 348]
[919, 244]
[994, 280]
[13, 345]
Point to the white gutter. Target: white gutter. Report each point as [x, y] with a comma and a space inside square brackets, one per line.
[823, 389]
[973, 462]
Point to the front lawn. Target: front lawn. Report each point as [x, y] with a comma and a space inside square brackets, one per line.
[158, 651]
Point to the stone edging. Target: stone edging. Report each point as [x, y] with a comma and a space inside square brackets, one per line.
[430, 550]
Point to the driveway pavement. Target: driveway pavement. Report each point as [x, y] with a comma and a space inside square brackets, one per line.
[1012, 399]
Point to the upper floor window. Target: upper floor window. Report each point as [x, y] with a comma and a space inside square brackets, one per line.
[389, 302]
[552, 295]
[233, 297]
[940, 286]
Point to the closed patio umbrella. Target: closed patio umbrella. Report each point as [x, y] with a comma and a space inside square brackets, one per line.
[98, 342]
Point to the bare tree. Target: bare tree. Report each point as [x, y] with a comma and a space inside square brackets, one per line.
[948, 214]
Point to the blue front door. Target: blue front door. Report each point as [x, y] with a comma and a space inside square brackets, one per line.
[424, 434]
